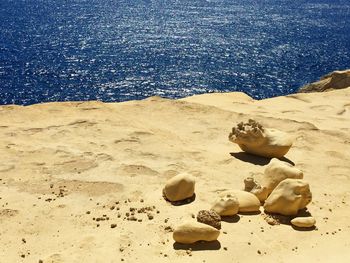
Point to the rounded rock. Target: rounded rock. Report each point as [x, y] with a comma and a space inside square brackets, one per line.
[226, 205]
[179, 187]
[288, 197]
[191, 232]
[303, 221]
[248, 202]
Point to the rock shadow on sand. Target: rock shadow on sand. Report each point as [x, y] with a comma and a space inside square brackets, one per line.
[231, 219]
[181, 202]
[255, 159]
[198, 246]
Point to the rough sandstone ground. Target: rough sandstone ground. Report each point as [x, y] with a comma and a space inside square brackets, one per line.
[70, 172]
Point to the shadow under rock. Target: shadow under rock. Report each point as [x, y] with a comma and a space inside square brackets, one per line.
[230, 219]
[198, 246]
[250, 213]
[286, 220]
[181, 202]
[255, 159]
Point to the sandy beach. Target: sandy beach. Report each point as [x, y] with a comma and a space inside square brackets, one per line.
[72, 173]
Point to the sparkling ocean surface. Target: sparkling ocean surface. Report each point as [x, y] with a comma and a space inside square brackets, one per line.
[117, 50]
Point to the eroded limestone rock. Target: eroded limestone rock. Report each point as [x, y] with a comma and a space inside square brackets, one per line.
[253, 186]
[303, 221]
[191, 232]
[288, 197]
[275, 172]
[226, 205]
[179, 187]
[253, 138]
[209, 217]
[248, 202]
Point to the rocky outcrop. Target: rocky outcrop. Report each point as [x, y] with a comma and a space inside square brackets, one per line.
[331, 81]
[253, 138]
[191, 232]
[179, 187]
[288, 197]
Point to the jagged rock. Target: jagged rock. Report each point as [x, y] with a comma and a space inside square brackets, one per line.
[191, 232]
[253, 138]
[179, 187]
[288, 197]
[248, 202]
[209, 217]
[303, 221]
[226, 205]
[331, 81]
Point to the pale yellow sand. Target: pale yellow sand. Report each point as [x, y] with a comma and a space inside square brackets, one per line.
[63, 164]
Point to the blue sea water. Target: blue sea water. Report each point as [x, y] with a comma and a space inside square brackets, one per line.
[117, 50]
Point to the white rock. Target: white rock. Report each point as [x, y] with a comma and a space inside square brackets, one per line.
[226, 205]
[303, 221]
[248, 202]
[179, 187]
[288, 197]
[253, 138]
[191, 232]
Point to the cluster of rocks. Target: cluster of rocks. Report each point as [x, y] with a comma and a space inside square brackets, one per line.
[280, 189]
[208, 225]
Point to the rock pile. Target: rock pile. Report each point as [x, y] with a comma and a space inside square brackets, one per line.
[281, 189]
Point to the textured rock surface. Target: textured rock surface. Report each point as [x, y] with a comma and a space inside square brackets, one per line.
[191, 232]
[303, 221]
[288, 197]
[248, 202]
[210, 218]
[253, 138]
[179, 187]
[226, 205]
[331, 81]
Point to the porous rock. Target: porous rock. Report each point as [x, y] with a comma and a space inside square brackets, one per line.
[253, 138]
[288, 197]
[209, 217]
[248, 202]
[191, 232]
[303, 221]
[179, 187]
